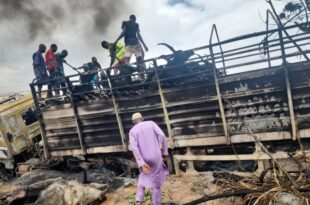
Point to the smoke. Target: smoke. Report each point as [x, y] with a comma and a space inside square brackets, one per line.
[36, 18]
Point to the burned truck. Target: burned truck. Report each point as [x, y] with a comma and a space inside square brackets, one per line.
[209, 101]
[20, 132]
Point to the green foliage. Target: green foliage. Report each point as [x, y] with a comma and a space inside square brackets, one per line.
[147, 198]
[291, 8]
[297, 12]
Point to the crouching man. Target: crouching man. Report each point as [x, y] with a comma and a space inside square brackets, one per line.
[149, 146]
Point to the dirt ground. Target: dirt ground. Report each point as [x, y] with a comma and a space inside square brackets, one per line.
[176, 190]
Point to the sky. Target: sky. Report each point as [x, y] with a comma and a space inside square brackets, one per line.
[80, 25]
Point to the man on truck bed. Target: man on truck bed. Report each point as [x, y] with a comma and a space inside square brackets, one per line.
[131, 33]
[60, 57]
[51, 63]
[39, 68]
[146, 140]
[117, 52]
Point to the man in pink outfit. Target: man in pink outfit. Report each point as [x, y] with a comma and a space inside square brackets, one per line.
[149, 146]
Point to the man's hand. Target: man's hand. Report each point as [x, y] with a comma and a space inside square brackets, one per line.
[165, 157]
[146, 48]
[114, 45]
[145, 169]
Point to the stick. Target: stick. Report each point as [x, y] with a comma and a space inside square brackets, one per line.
[73, 67]
[234, 193]
[224, 195]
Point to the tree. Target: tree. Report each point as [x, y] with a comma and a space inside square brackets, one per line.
[297, 12]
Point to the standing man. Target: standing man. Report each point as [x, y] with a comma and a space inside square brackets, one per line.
[60, 58]
[51, 63]
[94, 65]
[131, 33]
[149, 146]
[39, 68]
[117, 52]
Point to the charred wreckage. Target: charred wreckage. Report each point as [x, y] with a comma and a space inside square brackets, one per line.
[210, 101]
[215, 103]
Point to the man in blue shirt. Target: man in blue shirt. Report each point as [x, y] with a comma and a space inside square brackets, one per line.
[39, 67]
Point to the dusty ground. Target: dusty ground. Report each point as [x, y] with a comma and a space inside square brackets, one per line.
[48, 186]
[176, 190]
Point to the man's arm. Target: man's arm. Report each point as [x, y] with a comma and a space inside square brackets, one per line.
[112, 54]
[98, 66]
[36, 64]
[36, 60]
[112, 61]
[120, 36]
[161, 138]
[141, 40]
[135, 149]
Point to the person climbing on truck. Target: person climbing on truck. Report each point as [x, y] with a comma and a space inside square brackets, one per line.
[133, 38]
[117, 52]
[39, 67]
[149, 146]
[60, 57]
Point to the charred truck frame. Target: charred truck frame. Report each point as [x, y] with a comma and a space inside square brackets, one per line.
[205, 99]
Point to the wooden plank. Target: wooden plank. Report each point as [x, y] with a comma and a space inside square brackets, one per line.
[93, 150]
[61, 113]
[258, 155]
[203, 140]
[304, 133]
[199, 140]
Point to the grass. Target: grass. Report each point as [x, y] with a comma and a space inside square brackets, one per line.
[147, 198]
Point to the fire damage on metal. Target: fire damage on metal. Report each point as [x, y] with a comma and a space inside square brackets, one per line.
[238, 107]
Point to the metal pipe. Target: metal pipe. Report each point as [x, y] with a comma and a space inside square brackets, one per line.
[163, 102]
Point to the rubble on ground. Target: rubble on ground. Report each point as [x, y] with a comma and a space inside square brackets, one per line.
[74, 182]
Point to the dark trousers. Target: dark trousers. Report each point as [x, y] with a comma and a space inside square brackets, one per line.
[53, 80]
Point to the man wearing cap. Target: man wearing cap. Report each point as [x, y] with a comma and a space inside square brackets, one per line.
[149, 146]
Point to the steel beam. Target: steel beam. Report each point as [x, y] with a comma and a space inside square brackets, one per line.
[219, 97]
[78, 125]
[76, 118]
[288, 88]
[118, 117]
[119, 123]
[163, 102]
[290, 103]
[40, 119]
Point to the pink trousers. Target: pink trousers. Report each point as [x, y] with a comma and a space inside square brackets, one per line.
[156, 194]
